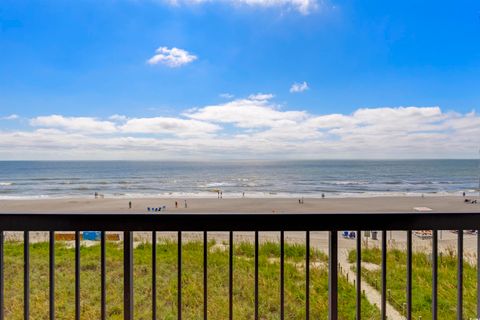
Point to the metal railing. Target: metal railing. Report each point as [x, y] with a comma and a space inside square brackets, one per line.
[129, 223]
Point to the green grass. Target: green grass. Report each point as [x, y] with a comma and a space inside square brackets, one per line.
[422, 282]
[192, 284]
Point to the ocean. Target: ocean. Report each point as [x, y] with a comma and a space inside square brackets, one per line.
[136, 179]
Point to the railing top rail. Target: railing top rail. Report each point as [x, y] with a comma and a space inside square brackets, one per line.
[238, 221]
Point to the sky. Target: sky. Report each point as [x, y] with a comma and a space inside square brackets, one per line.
[239, 79]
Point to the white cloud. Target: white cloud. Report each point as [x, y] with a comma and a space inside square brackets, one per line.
[253, 127]
[254, 112]
[165, 125]
[226, 95]
[86, 124]
[302, 6]
[118, 118]
[172, 58]
[11, 117]
[299, 87]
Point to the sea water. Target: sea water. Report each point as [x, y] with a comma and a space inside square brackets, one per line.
[333, 178]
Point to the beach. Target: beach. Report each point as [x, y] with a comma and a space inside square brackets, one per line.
[235, 204]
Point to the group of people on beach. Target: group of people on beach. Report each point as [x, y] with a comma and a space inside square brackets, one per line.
[184, 203]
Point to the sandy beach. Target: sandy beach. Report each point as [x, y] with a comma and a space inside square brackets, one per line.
[241, 205]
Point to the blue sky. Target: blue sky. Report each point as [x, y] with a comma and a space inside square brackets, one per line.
[88, 60]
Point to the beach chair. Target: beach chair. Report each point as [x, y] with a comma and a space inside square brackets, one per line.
[352, 235]
[164, 208]
[345, 234]
[148, 209]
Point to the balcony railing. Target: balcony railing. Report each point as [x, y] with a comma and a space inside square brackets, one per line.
[231, 223]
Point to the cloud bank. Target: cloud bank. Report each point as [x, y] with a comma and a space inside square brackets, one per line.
[253, 127]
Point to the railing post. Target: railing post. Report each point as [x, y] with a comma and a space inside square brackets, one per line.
[154, 275]
[205, 275]
[52, 274]
[409, 274]
[333, 275]
[383, 308]
[26, 275]
[179, 275]
[434, 275]
[2, 278]
[103, 276]
[256, 276]
[478, 274]
[460, 276]
[307, 277]
[282, 275]
[128, 275]
[358, 280]
[77, 275]
[230, 276]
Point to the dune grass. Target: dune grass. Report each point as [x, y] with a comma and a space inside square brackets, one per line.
[192, 282]
[422, 282]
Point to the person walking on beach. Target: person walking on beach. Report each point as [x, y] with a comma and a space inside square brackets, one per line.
[176, 204]
[243, 194]
[129, 204]
[464, 194]
[185, 204]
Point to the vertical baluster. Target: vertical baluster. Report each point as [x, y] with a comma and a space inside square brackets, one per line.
[384, 276]
[282, 275]
[128, 275]
[154, 275]
[179, 276]
[307, 276]
[359, 275]
[409, 274]
[478, 274]
[460, 276]
[51, 279]
[26, 275]
[103, 276]
[205, 275]
[256, 275]
[434, 274]
[2, 278]
[230, 276]
[333, 276]
[77, 275]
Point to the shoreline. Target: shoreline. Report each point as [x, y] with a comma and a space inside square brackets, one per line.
[250, 195]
